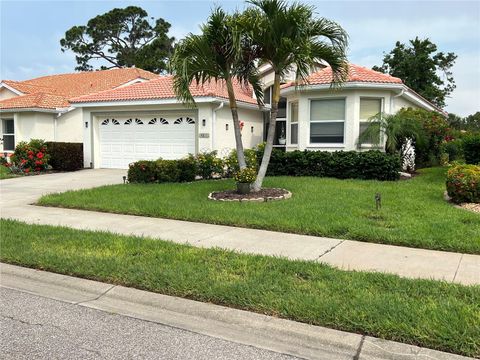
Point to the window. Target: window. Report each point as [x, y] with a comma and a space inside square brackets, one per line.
[294, 123]
[327, 121]
[282, 108]
[267, 94]
[8, 132]
[368, 109]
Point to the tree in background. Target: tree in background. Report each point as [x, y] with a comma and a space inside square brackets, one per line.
[419, 64]
[469, 123]
[121, 38]
[289, 36]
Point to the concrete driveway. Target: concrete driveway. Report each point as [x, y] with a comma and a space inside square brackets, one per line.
[28, 189]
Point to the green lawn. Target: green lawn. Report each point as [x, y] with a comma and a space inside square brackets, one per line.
[5, 173]
[428, 313]
[413, 212]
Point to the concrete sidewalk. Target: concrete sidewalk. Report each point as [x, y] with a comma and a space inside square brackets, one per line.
[17, 195]
[260, 331]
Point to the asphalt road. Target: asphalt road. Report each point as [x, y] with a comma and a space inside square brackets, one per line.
[33, 327]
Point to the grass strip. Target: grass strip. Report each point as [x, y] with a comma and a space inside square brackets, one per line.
[432, 314]
[414, 212]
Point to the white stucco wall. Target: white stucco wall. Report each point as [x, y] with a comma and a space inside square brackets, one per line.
[252, 133]
[34, 125]
[70, 126]
[400, 102]
[6, 94]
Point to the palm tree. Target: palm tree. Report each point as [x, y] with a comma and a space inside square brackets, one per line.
[290, 37]
[394, 129]
[220, 53]
[396, 133]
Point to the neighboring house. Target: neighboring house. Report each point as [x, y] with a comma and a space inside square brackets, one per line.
[124, 122]
[39, 108]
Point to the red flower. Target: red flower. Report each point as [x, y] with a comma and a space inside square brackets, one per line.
[40, 155]
[23, 161]
[27, 170]
[30, 152]
[37, 169]
[38, 162]
[30, 156]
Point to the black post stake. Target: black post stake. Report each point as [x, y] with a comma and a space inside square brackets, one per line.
[124, 179]
[378, 200]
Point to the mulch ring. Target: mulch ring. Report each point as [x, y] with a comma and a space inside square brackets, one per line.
[263, 195]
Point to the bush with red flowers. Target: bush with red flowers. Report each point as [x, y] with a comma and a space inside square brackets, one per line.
[30, 157]
[463, 183]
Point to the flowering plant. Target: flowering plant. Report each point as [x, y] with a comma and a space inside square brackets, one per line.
[463, 183]
[30, 157]
[246, 175]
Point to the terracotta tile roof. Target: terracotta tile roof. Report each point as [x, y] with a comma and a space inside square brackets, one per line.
[355, 74]
[36, 100]
[162, 88]
[77, 84]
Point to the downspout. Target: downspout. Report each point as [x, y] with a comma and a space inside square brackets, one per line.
[214, 122]
[55, 126]
[392, 101]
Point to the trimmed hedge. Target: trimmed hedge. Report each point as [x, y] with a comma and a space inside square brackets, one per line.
[369, 165]
[463, 183]
[65, 156]
[471, 149]
[159, 171]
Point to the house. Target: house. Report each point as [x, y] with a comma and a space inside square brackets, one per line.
[123, 115]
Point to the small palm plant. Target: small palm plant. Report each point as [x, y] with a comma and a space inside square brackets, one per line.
[395, 133]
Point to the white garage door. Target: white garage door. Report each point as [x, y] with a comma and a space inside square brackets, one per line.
[127, 139]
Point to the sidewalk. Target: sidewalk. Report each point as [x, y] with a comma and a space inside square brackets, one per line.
[17, 194]
[260, 331]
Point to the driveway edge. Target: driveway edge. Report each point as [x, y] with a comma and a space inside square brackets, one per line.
[267, 332]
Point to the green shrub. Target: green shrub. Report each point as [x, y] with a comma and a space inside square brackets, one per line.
[208, 164]
[30, 157]
[371, 164]
[247, 175]
[231, 162]
[158, 171]
[166, 171]
[454, 149]
[187, 169]
[65, 156]
[471, 149]
[463, 183]
[142, 171]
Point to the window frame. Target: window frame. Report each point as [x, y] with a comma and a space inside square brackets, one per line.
[290, 123]
[310, 121]
[8, 134]
[362, 121]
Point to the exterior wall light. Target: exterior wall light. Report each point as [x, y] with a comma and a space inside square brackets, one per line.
[226, 127]
[204, 122]
[251, 129]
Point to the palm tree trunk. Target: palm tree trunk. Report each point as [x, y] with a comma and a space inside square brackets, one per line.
[236, 125]
[257, 185]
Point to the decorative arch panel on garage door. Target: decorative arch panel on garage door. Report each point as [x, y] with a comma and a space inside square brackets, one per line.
[127, 139]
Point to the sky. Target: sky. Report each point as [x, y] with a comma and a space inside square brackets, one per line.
[30, 32]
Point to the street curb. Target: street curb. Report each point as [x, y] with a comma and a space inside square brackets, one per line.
[267, 332]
